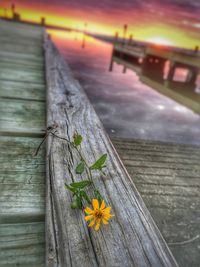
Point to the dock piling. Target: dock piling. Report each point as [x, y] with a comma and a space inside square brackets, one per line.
[43, 20]
[130, 39]
[84, 33]
[124, 34]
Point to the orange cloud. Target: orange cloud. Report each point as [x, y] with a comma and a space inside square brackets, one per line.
[145, 24]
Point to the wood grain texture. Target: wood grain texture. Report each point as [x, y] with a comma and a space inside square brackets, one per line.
[21, 56]
[19, 30]
[167, 176]
[22, 116]
[21, 90]
[22, 244]
[22, 64]
[22, 124]
[23, 75]
[131, 238]
[22, 178]
[20, 48]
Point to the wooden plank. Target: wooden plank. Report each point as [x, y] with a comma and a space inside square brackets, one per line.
[167, 201]
[22, 244]
[19, 29]
[162, 164]
[21, 64]
[22, 56]
[166, 179]
[19, 48]
[178, 227]
[169, 190]
[22, 147]
[156, 145]
[159, 157]
[22, 75]
[21, 39]
[158, 154]
[22, 178]
[22, 116]
[31, 40]
[169, 184]
[132, 238]
[21, 90]
[163, 172]
[192, 59]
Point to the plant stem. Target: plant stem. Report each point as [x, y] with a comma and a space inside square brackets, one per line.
[38, 148]
[50, 131]
[62, 138]
[77, 150]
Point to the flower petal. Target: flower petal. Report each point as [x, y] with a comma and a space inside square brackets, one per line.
[95, 204]
[89, 217]
[107, 210]
[107, 216]
[104, 221]
[97, 225]
[91, 223]
[103, 205]
[88, 210]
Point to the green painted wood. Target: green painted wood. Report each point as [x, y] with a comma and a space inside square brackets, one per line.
[21, 75]
[22, 124]
[22, 116]
[31, 91]
[22, 56]
[22, 244]
[21, 64]
[19, 29]
[19, 48]
[6, 38]
[21, 39]
[167, 176]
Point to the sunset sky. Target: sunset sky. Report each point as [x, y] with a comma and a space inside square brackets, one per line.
[173, 22]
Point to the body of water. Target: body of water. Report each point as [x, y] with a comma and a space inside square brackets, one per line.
[127, 107]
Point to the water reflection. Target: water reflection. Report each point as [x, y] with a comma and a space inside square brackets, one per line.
[126, 107]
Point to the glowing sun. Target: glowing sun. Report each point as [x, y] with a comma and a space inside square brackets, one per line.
[160, 41]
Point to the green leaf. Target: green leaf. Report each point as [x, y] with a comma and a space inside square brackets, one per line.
[98, 195]
[77, 139]
[85, 196]
[80, 185]
[72, 189]
[99, 164]
[80, 168]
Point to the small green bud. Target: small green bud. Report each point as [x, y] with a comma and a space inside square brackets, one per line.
[75, 204]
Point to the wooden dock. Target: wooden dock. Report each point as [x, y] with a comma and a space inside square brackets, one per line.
[167, 175]
[22, 125]
[29, 196]
[156, 66]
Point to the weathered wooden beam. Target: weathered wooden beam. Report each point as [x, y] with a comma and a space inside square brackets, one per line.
[19, 115]
[22, 121]
[21, 90]
[167, 176]
[22, 244]
[131, 238]
[190, 58]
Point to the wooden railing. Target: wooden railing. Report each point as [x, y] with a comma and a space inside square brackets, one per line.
[131, 238]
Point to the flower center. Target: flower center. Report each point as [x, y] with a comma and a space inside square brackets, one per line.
[98, 214]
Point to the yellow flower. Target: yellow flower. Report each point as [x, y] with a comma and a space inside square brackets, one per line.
[100, 213]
